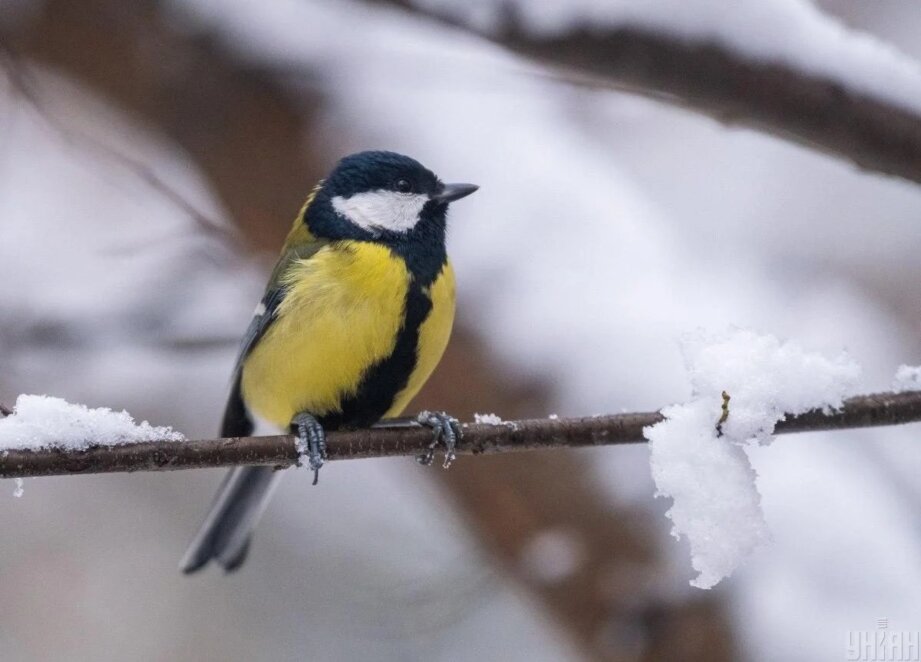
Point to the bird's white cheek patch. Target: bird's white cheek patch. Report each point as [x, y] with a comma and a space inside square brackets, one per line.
[382, 210]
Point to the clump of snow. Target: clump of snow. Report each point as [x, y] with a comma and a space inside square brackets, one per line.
[39, 421]
[907, 378]
[716, 503]
[487, 419]
[303, 451]
[18, 489]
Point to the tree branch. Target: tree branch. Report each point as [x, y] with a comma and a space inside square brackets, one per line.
[479, 438]
[807, 109]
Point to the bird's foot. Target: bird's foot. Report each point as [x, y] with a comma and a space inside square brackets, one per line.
[446, 430]
[311, 440]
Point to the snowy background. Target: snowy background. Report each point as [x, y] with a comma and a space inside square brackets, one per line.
[607, 225]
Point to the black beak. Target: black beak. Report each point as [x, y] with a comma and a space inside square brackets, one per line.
[452, 192]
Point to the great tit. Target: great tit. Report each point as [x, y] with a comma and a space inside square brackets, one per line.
[355, 317]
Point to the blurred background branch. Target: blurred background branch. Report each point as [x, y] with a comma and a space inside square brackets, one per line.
[198, 93]
[26, 87]
[822, 114]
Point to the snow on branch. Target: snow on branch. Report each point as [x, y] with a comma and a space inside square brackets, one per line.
[479, 438]
[814, 82]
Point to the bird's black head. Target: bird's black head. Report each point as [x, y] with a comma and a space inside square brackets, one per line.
[386, 198]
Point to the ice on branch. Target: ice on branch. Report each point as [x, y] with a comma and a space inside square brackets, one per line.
[487, 419]
[40, 421]
[716, 504]
[907, 378]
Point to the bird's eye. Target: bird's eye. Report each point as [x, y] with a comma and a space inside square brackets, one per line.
[403, 186]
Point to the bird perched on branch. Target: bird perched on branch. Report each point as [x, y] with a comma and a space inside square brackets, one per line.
[355, 318]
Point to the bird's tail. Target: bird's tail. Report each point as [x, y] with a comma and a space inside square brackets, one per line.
[225, 534]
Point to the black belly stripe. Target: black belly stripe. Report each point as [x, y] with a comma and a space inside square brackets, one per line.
[385, 379]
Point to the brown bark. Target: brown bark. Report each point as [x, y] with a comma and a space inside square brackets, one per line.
[479, 439]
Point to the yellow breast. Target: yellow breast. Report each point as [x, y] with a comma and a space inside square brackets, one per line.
[342, 314]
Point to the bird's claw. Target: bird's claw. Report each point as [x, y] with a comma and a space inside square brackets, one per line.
[312, 442]
[445, 429]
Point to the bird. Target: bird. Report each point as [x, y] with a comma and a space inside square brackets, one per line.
[356, 315]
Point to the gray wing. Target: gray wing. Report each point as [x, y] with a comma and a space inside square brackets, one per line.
[263, 318]
[237, 421]
[264, 315]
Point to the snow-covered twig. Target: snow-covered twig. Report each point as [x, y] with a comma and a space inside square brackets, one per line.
[873, 131]
[861, 411]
